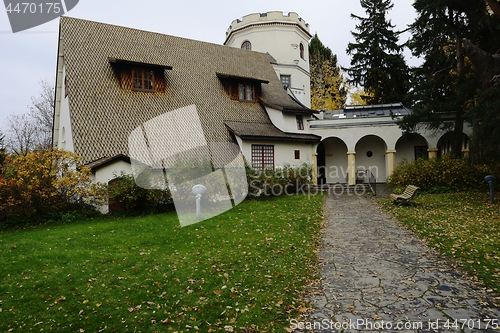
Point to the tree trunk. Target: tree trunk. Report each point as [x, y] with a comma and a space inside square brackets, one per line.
[459, 121]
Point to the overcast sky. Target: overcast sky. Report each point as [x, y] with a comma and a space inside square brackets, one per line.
[30, 56]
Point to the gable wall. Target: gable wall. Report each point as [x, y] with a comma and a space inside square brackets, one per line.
[63, 135]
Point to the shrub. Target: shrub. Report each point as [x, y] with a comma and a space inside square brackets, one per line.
[441, 175]
[284, 180]
[126, 197]
[43, 184]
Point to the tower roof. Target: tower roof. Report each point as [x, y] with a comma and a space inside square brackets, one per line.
[269, 18]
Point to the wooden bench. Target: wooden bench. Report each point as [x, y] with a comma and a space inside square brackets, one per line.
[406, 197]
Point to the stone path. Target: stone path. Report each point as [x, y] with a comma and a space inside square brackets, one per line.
[376, 276]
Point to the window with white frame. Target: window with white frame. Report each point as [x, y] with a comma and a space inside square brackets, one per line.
[263, 157]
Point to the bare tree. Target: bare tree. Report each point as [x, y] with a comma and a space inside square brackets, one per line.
[33, 130]
[23, 135]
[42, 111]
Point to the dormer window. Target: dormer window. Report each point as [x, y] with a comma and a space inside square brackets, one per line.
[242, 88]
[246, 92]
[142, 79]
[139, 76]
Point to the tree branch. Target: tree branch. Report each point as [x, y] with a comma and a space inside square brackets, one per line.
[487, 65]
[495, 7]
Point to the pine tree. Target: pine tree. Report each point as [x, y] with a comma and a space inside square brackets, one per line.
[377, 62]
[328, 90]
[446, 34]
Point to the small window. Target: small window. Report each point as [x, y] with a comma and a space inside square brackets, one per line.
[246, 92]
[263, 157]
[297, 154]
[302, 51]
[246, 45]
[300, 122]
[66, 87]
[142, 79]
[285, 81]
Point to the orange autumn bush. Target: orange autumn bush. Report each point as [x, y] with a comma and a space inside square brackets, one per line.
[45, 182]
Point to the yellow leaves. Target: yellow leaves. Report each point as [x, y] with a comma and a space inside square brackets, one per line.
[45, 181]
[302, 309]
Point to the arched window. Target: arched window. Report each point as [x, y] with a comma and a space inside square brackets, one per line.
[302, 51]
[246, 45]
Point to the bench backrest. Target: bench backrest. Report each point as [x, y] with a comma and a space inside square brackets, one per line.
[410, 191]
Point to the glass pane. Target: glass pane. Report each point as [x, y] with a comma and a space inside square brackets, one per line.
[136, 74]
[249, 93]
[242, 92]
[148, 79]
[246, 45]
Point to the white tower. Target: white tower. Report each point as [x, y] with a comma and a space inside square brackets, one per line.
[285, 36]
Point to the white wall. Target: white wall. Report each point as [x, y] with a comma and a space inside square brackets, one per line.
[377, 162]
[335, 169]
[109, 172]
[63, 134]
[405, 148]
[284, 153]
[351, 134]
[287, 122]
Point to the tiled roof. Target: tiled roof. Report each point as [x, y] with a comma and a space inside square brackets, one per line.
[106, 160]
[368, 111]
[266, 131]
[103, 114]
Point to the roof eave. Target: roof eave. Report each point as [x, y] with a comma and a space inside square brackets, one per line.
[237, 77]
[95, 165]
[137, 63]
[273, 138]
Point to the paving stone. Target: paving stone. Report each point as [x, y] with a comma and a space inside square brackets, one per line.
[373, 269]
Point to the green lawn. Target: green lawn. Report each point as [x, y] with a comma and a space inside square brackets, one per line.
[242, 271]
[463, 226]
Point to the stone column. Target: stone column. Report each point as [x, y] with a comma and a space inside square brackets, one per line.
[351, 167]
[433, 152]
[391, 162]
[314, 167]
